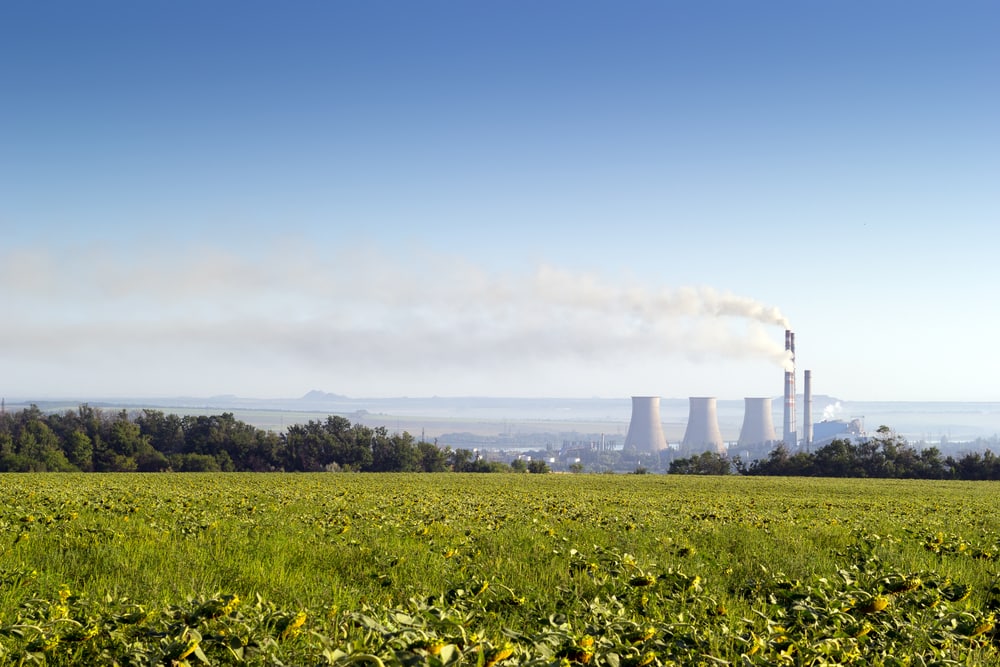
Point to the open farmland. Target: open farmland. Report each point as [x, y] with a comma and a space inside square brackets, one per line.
[495, 569]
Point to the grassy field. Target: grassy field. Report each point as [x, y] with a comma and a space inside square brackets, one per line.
[496, 569]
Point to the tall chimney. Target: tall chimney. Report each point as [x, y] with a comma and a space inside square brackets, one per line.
[790, 437]
[645, 431]
[703, 426]
[758, 423]
[807, 419]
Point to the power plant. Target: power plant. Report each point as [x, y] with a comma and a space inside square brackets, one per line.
[703, 426]
[645, 431]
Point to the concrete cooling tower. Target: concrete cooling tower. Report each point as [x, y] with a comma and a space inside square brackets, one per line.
[758, 422]
[645, 431]
[703, 426]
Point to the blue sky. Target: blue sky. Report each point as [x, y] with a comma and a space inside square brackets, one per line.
[499, 198]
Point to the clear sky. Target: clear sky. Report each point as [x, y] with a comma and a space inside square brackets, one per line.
[500, 198]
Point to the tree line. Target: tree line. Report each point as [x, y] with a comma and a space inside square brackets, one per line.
[90, 440]
[884, 455]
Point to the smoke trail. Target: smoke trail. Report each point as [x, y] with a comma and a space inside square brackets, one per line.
[585, 291]
[363, 311]
[693, 320]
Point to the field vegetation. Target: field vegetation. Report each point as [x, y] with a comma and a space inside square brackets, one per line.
[441, 569]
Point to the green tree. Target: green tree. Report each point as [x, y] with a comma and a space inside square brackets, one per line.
[482, 465]
[839, 459]
[462, 460]
[165, 432]
[152, 461]
[38, 448]
[80, 450]
[780, 462]
[431, 457]
[538, 466]
[232, 442]
[193, 462]
[931, 465]
[706, 463]
[353, 447]
[35, 440]
[6, 444]
[125, 445]
[308, 448]
[397, 453]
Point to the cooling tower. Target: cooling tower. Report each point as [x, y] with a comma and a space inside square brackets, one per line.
[703, 426]
[807, 398]
[645, 431]
[789, 435]
[758, 423]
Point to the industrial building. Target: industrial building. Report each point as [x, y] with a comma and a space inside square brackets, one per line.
[645, 432]
[833, 429]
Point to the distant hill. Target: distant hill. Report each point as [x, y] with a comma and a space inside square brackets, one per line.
[317, 395]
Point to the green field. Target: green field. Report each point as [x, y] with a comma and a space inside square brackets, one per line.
[496, 569]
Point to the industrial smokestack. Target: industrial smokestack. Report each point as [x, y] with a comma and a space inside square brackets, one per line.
[645, 431]
[807, 420]
[703, 425]
[790, 437]
[758, 423]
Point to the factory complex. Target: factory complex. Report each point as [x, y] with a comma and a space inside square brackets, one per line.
[645, 431]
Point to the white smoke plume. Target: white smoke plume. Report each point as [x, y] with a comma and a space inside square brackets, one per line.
[832, 411]
[360, 311]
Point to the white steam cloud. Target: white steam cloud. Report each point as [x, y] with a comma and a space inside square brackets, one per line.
[832, 411]
[360, 312]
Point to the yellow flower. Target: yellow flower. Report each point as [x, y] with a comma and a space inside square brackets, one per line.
[292, 627]
[982, 628]
[497, 654]
[874, 605]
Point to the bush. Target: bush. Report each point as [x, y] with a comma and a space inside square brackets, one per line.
[538, 466]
